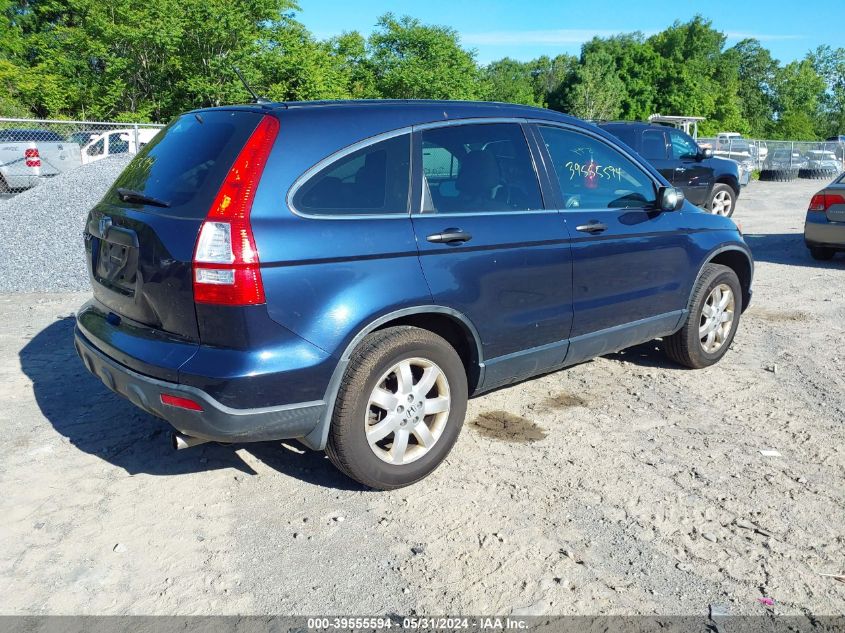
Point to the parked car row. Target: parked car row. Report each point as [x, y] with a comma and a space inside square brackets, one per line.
[28, 155]
[811, 159]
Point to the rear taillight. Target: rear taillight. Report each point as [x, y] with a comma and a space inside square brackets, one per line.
[823, 201]
[226, 266]
[33, 158]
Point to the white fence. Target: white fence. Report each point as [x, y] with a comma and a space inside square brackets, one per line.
[34, 149]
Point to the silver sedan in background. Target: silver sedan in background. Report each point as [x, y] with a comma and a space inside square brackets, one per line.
[824, 228]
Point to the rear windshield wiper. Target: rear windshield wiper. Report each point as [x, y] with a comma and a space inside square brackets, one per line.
[127, 195]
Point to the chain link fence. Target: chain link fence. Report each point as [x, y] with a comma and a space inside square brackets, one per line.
[781, 160]
[34, 149]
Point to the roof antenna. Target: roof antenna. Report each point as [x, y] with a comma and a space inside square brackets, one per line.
[255, 97]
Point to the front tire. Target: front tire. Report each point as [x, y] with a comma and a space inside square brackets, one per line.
[400, 408]
[722, 200]
[712, 320]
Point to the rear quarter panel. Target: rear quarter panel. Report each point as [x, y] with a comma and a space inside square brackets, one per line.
[326, 279]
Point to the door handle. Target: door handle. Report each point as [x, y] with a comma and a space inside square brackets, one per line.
[449, 236]
[592, 227]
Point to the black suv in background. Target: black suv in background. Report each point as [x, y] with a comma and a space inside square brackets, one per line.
[708, 182]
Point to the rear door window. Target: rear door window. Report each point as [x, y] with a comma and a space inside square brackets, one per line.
[187, 161]
[372, 180]
[654, 145]
[478, 168]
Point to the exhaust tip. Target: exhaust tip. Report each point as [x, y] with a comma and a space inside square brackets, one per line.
[181, 441]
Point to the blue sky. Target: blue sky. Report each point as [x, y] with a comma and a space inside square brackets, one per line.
[527, 29]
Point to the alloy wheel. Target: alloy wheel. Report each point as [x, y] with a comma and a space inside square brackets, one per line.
[407, 411]
[721, 204]
[717, 317]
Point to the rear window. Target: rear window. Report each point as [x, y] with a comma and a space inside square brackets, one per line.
[187, 161]
[654, 145]
[624, 133]
[28, 136]
[370, 181]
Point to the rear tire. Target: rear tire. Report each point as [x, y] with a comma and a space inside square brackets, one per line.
[722, 200]
[4, 186]
[822, 253]
[389, 428]
[693, 345]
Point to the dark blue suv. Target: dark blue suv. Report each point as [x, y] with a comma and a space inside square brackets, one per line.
[349, 273]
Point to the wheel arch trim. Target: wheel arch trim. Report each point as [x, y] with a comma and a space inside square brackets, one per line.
[318, 437]
[724, 248]
[730, 180]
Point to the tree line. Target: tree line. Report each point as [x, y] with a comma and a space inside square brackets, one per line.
[149, 61]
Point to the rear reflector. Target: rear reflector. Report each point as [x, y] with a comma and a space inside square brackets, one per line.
[226, 266]
[33, 159]
[823, 201]
[180, 402]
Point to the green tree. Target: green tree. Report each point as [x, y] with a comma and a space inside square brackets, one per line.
[511, 81]
[799, 92]
[23, 84]
[548, 75]
[829, 63]
[292, 66]
[756, 72]
[596, 91]
[727, 107]
[690, 78]
[412, 60]
[129, 60]
[350, 53]
[637, 65]
[152, 60]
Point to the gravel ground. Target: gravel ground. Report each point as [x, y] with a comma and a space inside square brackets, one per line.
[44, 224]
[625, 485]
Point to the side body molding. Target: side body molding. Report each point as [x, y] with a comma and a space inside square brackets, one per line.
[528, 362]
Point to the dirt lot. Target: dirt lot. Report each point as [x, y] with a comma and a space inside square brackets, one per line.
[622, 486]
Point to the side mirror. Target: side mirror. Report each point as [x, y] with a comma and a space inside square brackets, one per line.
[705, 153]
[669, 199]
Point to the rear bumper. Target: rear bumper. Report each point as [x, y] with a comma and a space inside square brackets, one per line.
[216, 421]
[819, 231]
[20, 181]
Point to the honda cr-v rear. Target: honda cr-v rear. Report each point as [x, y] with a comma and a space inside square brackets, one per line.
[348, 274]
